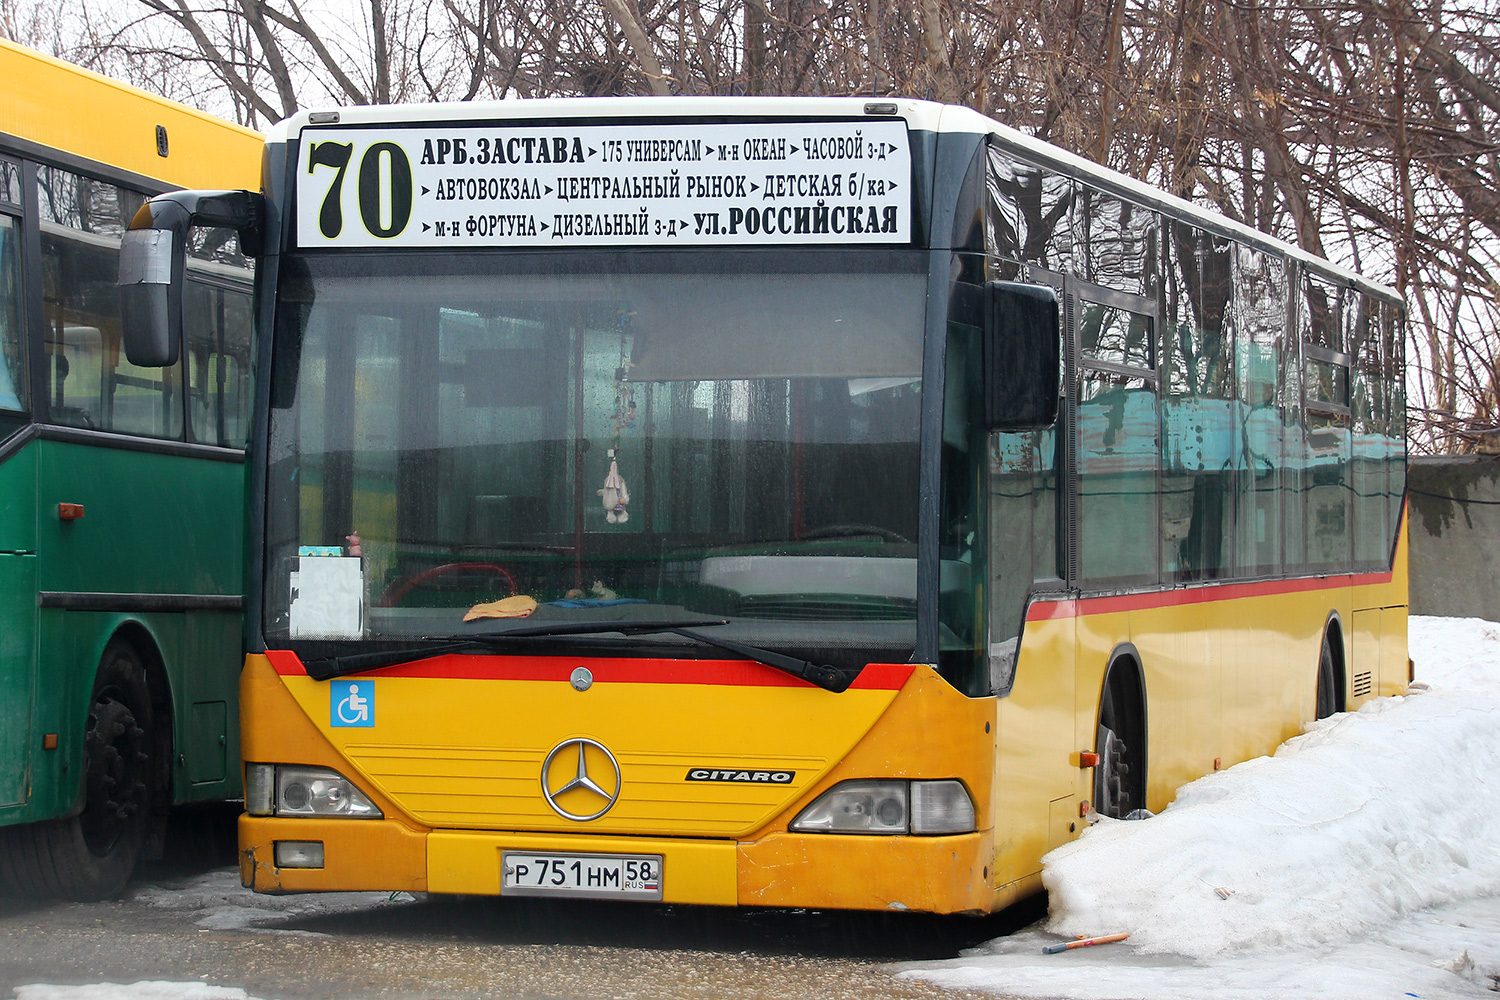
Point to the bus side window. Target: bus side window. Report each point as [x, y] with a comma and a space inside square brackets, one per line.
[90, 383]
[12, 372]
[1259, 308]
[216, 322]
[1200, 444]
[1029, 213]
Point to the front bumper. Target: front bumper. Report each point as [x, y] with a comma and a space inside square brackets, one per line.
[929, 874]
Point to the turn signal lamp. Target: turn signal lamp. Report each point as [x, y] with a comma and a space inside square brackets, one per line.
[890, 807]
[299, 854]
[289, 790]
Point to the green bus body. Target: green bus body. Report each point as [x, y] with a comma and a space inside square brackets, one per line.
[121, 488]
[153, 525]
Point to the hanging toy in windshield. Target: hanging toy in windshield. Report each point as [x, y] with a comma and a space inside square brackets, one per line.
[615, 494]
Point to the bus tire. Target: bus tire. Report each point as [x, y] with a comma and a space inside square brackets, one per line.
[1120, 775]
[1328, 693]
[90, 855]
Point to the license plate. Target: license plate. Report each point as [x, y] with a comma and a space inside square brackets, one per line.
[593, 876]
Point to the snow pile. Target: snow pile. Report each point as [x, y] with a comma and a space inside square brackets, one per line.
[133, 991]
[217, 902]
[1363, 857]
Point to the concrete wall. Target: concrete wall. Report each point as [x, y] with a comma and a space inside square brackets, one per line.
[1455, 536]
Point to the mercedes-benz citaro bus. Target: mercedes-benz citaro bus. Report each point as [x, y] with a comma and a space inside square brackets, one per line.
[775, 502]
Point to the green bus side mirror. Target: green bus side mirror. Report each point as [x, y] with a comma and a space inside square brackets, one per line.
[153, 257]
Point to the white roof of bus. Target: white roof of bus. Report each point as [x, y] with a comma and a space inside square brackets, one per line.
[920, 115]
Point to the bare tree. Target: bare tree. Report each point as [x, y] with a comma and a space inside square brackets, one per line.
[1363, 129]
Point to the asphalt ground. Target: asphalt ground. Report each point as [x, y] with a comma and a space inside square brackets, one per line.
[188, 920]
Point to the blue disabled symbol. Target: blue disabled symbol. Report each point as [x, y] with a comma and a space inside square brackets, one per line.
[352, 704]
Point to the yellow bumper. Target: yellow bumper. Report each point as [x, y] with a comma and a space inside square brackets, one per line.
[935, 874]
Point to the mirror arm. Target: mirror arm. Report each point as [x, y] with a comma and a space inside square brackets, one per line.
[153, 262]
[179, 211]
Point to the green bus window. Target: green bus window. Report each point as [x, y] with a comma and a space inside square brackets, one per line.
[89, 382]
[217, 326]
[12, 370]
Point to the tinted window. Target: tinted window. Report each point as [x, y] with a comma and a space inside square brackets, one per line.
[1030, 213]
[89, 381]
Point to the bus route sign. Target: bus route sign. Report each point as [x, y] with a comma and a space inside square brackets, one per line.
[605, 185]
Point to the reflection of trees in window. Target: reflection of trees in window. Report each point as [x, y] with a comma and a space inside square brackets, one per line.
[1117, 241]
[1029, 217]
[1121, 336]
[1320, 310]
[1259, 318]
[85, 204]
[12, 375]
[1199, 289]
[10, 182]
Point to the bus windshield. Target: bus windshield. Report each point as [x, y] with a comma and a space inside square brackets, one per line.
[526, 438]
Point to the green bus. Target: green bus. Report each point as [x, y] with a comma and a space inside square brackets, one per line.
[121, 488]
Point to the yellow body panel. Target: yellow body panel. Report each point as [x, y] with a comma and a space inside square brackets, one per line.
[467, 753]
[454, 763]
[64, 107]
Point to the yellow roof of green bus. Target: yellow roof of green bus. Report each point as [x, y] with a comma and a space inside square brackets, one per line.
[68, 108]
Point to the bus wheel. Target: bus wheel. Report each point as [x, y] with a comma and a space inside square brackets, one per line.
[90, 856]
[1328, 697]
[1120, 775]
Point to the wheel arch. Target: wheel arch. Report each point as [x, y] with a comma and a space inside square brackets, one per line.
[1333, 630]
[147, 646]
[1125, 671]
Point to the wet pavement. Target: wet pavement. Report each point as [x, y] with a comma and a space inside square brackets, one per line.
[190, 921]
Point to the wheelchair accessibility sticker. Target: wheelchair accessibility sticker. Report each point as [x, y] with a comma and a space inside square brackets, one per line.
[352, 704]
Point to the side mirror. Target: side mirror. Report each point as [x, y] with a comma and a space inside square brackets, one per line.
[153, 257]
[150, 298]
[1022, 356]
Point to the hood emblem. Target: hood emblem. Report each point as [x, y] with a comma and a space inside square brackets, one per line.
[582, 679]
[581, 765]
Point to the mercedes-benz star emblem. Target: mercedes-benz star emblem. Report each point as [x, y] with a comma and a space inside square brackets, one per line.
[571, 778]
[582, 679]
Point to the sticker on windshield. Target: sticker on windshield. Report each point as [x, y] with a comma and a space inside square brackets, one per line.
[605, 185]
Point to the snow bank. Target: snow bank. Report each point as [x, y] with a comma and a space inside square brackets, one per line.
[132, 991]
[1369, 845]
[216, 901]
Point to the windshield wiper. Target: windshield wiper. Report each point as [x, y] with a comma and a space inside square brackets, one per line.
[827, 677]
[329, 667]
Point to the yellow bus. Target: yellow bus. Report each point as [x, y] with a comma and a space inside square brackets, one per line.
[121, 486]
[779, 502]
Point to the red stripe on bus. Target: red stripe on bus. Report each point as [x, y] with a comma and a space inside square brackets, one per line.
[1043, 610]
[731, 673]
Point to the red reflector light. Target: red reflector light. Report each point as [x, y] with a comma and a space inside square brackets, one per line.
[69, 511]
[1088, 758]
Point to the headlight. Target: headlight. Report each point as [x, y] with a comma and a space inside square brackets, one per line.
[303, 791]
[889, 807]
[941, 807]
